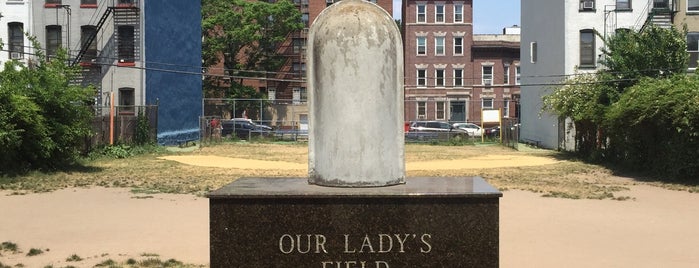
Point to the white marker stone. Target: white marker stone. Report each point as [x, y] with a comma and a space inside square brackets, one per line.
[355, 82]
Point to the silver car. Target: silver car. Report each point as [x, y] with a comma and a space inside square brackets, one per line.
[472, 129]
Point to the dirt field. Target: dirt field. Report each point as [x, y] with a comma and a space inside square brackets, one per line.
[653, 227]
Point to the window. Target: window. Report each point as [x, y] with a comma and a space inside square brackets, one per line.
[587, 5]
[587, 48]
[329, 2]
[271, 94]
[458, 13]
[299, 45]
[458, 77]
[439, 113]
[506, 75]
[125, 2]
[439, 77]
[692, 5]
[517, 75]
[16, 44]
[533, 52]
[661, 4]
[506, 108]
[623, 4]
[88, 3]
[421, 77]
[421, 110]
[53, 39]
[298, 95]
[693, 48]
[86, 32]
[422, 45]
[299, 68]
[439, 45]
[421, 13]
[458, 45]
[127, 45]
[487, 103]
[126, 100]
[304, 18]
[439, 13]
[487, 75]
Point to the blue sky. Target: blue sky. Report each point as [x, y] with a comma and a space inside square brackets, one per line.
[489, 16]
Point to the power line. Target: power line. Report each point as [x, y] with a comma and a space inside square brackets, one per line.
[406, 85]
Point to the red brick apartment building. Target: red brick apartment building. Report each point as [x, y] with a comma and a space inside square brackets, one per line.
[286, 86]
[450, 74]
[289, 82]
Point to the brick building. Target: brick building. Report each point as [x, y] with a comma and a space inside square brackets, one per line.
[131, 51]
[450, 74]
[289, 81]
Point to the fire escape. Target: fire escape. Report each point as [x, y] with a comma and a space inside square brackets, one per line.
[287, 80]
[661, 13]
[121, 49]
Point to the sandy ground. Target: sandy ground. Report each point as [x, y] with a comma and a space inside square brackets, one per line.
[486, 161]
[656, 229]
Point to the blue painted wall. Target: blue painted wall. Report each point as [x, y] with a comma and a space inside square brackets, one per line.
[173, 66]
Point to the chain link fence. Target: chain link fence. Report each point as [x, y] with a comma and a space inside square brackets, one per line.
[288, 118]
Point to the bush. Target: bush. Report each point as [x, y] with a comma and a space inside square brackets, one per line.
[43, 119]
[654, 127]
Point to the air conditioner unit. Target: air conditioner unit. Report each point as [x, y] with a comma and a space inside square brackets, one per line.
[422, 116]
[487, 82]
[15, 55]
[588, 4]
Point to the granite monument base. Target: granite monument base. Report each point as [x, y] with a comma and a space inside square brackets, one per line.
[286, 222]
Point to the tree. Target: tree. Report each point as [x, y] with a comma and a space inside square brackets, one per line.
[587, 99]
[654, 127]
[653, 52]
[247, 37]
[43, 118]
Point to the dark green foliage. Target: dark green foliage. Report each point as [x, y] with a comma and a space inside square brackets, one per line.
[642, 112]
[142, 135]
[34, 252]
[9, 246]
[43, 119]
[654, 127]
[654, 52]
[74, 257]
[246, 37]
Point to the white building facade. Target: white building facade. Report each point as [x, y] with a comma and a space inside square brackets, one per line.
[15, 20]
[560, 39]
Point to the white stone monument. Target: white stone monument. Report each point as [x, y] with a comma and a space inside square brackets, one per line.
[355, 85]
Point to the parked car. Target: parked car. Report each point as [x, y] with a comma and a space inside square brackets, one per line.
[493, 132]
[430, 130]
[244, 128]
[472, 129]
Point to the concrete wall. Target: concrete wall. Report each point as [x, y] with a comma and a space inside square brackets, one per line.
[691, 19]
[555, 27]
[173, 42]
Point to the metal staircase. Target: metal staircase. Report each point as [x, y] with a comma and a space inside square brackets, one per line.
[123, 15]
[661, 13]
[86, 45]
